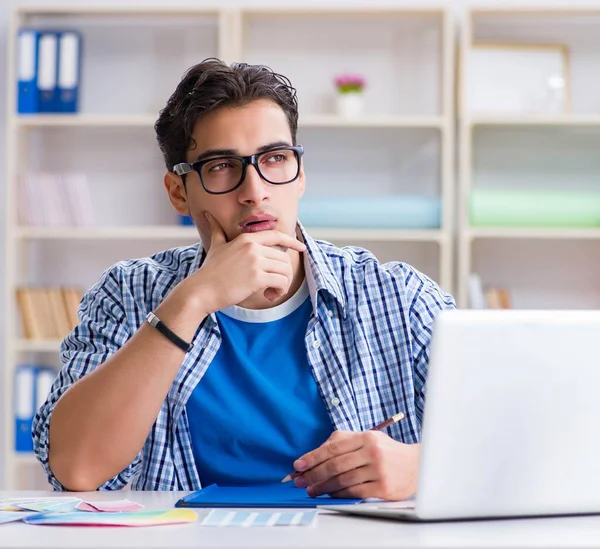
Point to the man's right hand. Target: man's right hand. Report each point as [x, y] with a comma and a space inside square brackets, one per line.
[251, 262]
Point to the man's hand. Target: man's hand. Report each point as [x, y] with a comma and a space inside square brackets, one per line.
[368, 464]
[234, 270]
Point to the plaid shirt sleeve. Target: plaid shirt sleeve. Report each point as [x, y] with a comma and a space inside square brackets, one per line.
[425, 300]
[102, 331]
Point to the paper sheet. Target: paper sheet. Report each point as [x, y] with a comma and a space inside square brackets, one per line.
[12, 516]
[56, 505]
[116, 506]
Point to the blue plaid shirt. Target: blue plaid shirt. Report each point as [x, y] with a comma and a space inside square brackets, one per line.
[367, 343]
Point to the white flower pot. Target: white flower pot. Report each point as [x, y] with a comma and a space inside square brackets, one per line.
[350, 104]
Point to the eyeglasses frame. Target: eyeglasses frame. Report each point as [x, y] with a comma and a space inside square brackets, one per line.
[184, 168]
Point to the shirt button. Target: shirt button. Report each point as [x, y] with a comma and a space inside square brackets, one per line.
[335, 401]
[329, 313]
[316, 344]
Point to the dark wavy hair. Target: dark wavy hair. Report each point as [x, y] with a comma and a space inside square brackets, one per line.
[210, 85]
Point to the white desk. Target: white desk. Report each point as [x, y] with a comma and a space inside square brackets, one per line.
[332, 530]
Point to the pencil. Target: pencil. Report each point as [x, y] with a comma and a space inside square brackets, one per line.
[390, 421]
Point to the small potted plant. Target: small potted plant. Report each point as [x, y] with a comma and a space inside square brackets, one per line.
[350, 94]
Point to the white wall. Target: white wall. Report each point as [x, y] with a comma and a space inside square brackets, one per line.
[5, 10]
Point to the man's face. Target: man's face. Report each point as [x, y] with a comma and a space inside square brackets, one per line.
[243, 131]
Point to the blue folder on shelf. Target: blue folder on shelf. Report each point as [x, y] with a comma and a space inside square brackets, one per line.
[27, 69]
[276, 495]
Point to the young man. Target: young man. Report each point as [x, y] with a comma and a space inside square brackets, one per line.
[258, 352]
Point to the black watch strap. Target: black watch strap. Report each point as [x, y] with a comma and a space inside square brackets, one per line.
[153, 320]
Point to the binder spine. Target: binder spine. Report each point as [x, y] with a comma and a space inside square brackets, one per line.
[47, 73]
[69, 68]
[24, 404]
[27, 70]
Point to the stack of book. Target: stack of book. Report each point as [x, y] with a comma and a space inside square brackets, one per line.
[497, 298]
[488, 297]
[48, 313]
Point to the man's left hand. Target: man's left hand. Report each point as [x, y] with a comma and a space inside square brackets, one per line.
[367, 464]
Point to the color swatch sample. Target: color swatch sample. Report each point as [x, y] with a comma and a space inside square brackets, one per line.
[11, 516]
[51, 505]
[116, 506]
[61, 504]
[20, 504]
[223, 517]
[138, 518]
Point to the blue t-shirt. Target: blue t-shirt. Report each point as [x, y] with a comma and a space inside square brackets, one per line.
[257, 408]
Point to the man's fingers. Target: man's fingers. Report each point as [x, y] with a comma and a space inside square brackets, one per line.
[277, 238]
[273, 252]
[217, 236]
[277, 283]
[360, 491]
[337, 444]
[332, 468]
[272, 294]
[344, 482]
[278, 266]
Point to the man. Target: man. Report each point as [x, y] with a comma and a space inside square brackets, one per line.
[259, 352]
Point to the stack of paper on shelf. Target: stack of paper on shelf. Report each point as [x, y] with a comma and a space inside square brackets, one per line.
[57, 200]
[48, 313]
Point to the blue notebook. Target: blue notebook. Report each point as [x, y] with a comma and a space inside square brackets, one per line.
[272, 495]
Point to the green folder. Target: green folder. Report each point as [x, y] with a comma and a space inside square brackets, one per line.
[534, 208]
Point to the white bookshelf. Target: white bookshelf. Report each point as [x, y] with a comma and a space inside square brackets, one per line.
[549, 268]
[406, 134]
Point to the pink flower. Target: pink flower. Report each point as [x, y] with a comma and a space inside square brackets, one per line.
[349, 82]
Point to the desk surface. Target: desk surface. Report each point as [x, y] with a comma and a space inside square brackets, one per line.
[332, 530]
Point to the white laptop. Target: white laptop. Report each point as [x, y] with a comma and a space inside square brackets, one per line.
[512, 418]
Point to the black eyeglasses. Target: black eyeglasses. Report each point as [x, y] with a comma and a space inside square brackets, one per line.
[223, 174]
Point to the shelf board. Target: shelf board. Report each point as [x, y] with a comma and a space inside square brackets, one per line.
[190, 233]
[545, 9]
[38, 345]
[86, 120]
[526, 233]
[151, 232]
[347, 9]
[377, 235]
[567, 120]
[373, 121]
[117, 10]
[148, 120]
